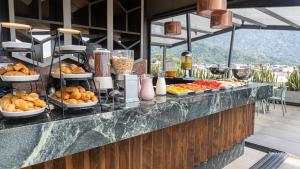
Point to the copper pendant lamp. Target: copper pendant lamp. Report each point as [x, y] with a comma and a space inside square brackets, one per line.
[211, 7]
[173, 28]
[221, 21]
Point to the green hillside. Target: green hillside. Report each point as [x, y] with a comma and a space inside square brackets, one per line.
[251, 46]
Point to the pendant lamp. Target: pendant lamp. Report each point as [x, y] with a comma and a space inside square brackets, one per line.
[172, 28]
[221, 21]
[211, 7]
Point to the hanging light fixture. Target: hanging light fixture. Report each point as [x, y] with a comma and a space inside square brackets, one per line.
[211, 7]
[173, 28]
[221, 21]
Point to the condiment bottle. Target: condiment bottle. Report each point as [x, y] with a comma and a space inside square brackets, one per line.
[161, 85]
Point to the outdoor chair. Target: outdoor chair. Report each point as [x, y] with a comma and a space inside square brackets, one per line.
[279, 97]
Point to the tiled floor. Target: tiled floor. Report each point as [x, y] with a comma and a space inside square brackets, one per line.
[281, 133]
[274, 131]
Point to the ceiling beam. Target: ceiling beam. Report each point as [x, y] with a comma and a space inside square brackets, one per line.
[278, 17]
[185, 28]
[204, 36]
[160, 44]
[243, 18]
[168, 37]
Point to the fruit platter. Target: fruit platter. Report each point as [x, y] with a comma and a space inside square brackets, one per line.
[178, 91]
[192, 87]
[210, 84]
[232, 83]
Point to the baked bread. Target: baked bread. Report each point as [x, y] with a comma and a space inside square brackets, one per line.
[75, 95]
[21, 102]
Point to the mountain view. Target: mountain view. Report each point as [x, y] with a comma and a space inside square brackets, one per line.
[250, 46]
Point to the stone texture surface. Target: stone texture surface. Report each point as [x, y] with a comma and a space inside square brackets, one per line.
[26, 142]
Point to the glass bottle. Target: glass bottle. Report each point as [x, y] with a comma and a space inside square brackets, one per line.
[161, 85]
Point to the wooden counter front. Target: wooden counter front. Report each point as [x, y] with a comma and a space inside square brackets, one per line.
[181, 146]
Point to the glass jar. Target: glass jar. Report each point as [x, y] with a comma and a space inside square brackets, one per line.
[122, 61]
[171, 68]
[186, 60]
[102, 62]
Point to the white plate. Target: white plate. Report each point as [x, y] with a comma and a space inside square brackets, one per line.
[20, 78]
[73, 76]
[18, 45]
[71, 47]
[23, 114]
[81, 105]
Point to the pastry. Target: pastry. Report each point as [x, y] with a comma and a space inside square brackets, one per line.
[66, 70]
[21, 104]
[9, 96]
[14, 73]
[35, 96]
[71, 101]
[27, 98]
[10, 68]
[30, 104]
[75, 95]
[78, 70]
[2, 70]
[18, 110]
[73, 67]
[9, 107]
[4, 102]
[19, 66]
[39, 103]
[94, 98]
[85, 96]
[80, 101]
[65, 95]
[81, 89]
[70, 69]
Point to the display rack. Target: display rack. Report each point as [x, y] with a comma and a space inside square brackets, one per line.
[34, 64]
[81, 61]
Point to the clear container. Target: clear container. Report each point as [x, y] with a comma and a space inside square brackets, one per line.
[122, 61]
[171, 68]
[186, 61]
[102, 62]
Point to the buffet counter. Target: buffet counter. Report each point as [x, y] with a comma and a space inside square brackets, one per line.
[129, 136]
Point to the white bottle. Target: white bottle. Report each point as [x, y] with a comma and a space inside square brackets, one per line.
[161, 86]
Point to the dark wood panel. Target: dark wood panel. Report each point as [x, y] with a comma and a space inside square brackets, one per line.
[181, 146]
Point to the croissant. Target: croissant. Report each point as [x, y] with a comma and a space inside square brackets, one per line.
[85, 96]
[81, 89]
[19, 66]
[25, 70]
[9, 107]
[21, 104]
[75, 95]
[2, 70]
[78, 70]
[34, 96]
[14, 73]
[27, 98]
[39, 103]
